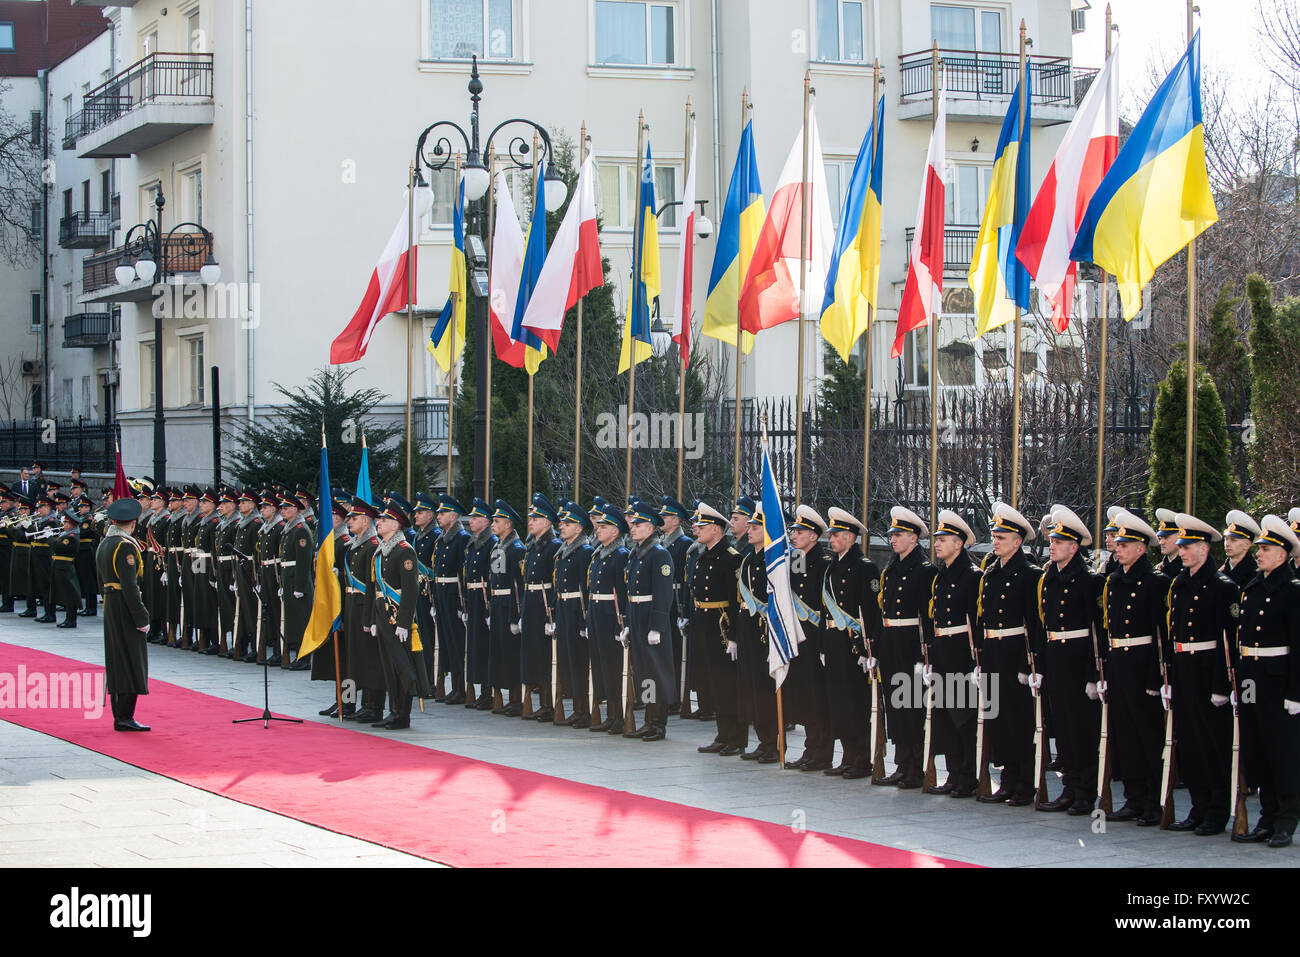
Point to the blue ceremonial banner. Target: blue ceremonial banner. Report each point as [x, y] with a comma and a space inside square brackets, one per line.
[784, 631]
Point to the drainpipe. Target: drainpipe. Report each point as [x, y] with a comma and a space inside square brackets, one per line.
[45, 243]
[251, 321]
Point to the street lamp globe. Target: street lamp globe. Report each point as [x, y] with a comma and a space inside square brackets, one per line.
[476, 182]
[556, 191]
[146, 268]
[125, 275]
[210, 272]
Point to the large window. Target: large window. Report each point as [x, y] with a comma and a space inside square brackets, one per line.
[636, 34]
[966, 191]
[35, 321]
[146, 375]
[192, 195]
[459, 29]
[6, 36]
[192, 355]
[966, 28]
[839, 173]
[619, 188]
[841, 30]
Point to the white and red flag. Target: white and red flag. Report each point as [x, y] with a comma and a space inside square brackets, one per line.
[923, 292]
[686, 263]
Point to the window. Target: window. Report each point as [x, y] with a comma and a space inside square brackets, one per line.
[38, 221]
[966, 28]
[191, 210]
[146, 375]
[85, 396]
[67, 299]
[36, 128]
[195, 39]
[841, 29]
[85, 198]
[105, 190]
[35, 323]
[443, 183]
[966, 190]
[192, 351]
[6, 36]
[38, 401]
[618, 190]
[67, 203]
[68, 411]
[636, 34]
[916, 359]
[459, 29]
[839, 173]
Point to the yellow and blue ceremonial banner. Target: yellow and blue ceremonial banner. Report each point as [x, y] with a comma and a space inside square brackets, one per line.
[1156, 197]
[327, 608]
[534, 258]
[853, 280]
[440, 339]
[742, 221]
[998, 279]
[645, 274]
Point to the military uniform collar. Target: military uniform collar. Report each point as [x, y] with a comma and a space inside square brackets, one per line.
[1140, 568]
[643, 549]
[604, 551]
[1073, 568]
[504, 542]
[568, 548]
[911, 558]
[482, 537]
[386, 548]
[672, 536]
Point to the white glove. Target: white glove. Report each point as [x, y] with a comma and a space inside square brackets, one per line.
[373, 630]
[871, 664]
[1035, 681]
[1166, 696]
[231, 587]
[550, 627]
[1102, 688]
[682, 623]
[1090, 689]
[1022, 677]
[279, 593]
[464, 618]
[863, 664]
[927, 674]
[487, 621]
[653, 638]
[516, 627]
[975, 676]
[622, 637]
[918, 668]
[582, 632]
[402, 635]
[297, 594]
[733, 650]
[1292, 707]
[164, 579]
[1233, 698]
[823, 658]
[1219, 700]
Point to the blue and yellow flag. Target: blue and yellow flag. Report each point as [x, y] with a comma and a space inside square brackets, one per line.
[534, 258]
[998, 279]
[327, 608]
[853, 280]
[742, 220]
[363, 474]
[783, 618]
[645, 273]
[1156, 198]
[440, 339]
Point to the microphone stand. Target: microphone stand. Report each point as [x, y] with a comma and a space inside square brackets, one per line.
[265, 717]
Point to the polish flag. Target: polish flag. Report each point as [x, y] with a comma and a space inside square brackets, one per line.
[573, 267]
[923, 293]
[770, 293]
[507, 270]
[387, 290]
[686, 263]
[1085, 154]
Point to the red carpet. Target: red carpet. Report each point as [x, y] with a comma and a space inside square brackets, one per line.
[434, 805]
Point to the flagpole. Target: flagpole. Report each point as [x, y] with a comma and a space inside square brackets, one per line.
[410, 310]
[745, 107]
[1189, 474]
[1101, 372]
[641, 127]
[934, 333]
[805, 210]
[684, 320]
[866, 362]
[1015, 385]
[529, 468]
[488, 344]
[451, 362]
[577, 395]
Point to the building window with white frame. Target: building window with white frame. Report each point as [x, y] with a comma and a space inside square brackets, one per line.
[634, 33]
[915, 359]
[191, 210]
[6, 36]
[618, 189]
[966, 27]
[195, 371]
[966, 191]
[841, 31]
[86, 404]
[839, 173]
[146, 375]
[443, 183]
[35, 320]
[460, 29]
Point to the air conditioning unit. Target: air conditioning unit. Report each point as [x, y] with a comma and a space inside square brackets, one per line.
[31, 367]
[112, 376]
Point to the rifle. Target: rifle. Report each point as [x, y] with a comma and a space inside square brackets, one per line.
[557, 701]
[1167, 773]
[931, 776]
[985, 787]
[1237, 782]
[877, 715]
[1040, 739]
[1103, 750]
[629, 707]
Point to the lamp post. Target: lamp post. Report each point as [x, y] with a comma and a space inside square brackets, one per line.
[155, 255]
[433, 151]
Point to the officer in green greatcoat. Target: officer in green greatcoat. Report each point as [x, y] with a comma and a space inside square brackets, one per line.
[120, 565]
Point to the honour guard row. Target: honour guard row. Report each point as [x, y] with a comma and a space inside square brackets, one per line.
[1147, 671]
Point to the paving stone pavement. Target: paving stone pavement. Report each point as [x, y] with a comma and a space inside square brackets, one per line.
[61, 804]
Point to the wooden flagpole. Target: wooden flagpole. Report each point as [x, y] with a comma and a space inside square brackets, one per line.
[1103, 333]
[538, 196]
[866, 362]
[1189, 475]
[488, 344]
[745, 107]
[451, 362]
[934, 333]
[641, 127]
[805, 211]
[1015, 363]
[684, 320]
[577, 393]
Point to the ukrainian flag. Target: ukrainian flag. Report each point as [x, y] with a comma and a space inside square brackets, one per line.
[999, 280]
[1156, 197]
[742, 220]
[440, 338]
[645, 273]
[854, 277]
[327, 609]
[534, 257]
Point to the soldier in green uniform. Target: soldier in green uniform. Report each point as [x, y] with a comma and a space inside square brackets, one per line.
[245, 574]
[268, 578]
[20, 565]
[364, 663]
[297, 555]
[64, 589]
[224, 558]
[394, 589]
[41, 537]
[85, 561]
[7, 513]
[154, 537]
[119, 562]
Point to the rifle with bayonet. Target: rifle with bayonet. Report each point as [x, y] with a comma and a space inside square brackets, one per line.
[1237, 781]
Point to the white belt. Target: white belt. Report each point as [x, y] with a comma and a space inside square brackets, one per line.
[640, 599]
[1062, 635]
[447, 581]
[900, 622]
[570, 595]
[1195, 645]
[538, 587]
[609, 597]
[225, 558]
[954, 630]
[1251, 651]
[356, 591]
[199, 554]
[284, 564]
[477, 586]
[1130, 642]
[270, 561]
[1004, 632]
[502, 591]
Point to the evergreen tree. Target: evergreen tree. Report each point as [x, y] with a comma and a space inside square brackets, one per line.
[1225, 356]
[1217, 490]
[1274, 401]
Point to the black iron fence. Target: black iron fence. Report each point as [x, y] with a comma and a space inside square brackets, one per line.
[84, 230]
[59, 445]
[969, 73]
[90, 329]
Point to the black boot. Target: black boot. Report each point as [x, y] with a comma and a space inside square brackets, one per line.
[69, 620]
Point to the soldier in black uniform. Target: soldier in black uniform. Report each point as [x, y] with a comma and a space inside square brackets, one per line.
[607, 612]
[206, 585]
[648, 619]
[506, 583]
[297, 557]
[1134, 606]
[189, 593]
[1203, 604]
[64, 589]
[537, 613]
[570, 576]
[365, 663]
[1167, 532]
[677, 542]
[1240, 534]
[740, 516]
[20, 565]
[852, 614]
[449, 594]
[1268, 642]
[1069, 607]
[245, 573]
[714, 649]
[394, 586]
[951, 630]
[424, 540]
[904, 597]
[1008, 605]
[477, 606]
[805, 682]
[268, 577]
[757, 688]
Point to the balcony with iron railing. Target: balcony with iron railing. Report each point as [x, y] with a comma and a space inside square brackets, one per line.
[151, 101]
[958, 247]
[980, 85]
[87, 330]
[183, 255]
[84, 230]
